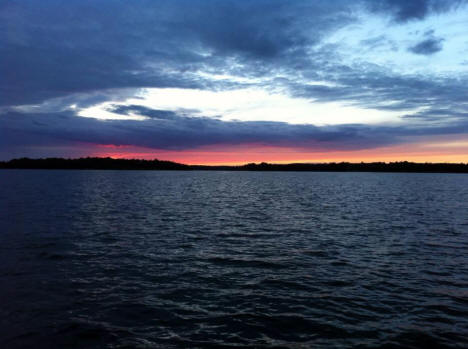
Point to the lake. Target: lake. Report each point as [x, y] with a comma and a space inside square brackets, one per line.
[155, 259]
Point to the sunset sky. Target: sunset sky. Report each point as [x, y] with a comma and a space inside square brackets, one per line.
[229, 82]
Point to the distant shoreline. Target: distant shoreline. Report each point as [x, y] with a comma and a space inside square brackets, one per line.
[158, 165]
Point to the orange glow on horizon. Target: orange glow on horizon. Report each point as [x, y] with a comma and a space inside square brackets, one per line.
[455, 152]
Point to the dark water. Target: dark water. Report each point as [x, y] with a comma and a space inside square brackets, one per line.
[96, 259]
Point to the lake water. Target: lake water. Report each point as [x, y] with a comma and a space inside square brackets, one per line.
[128, 259]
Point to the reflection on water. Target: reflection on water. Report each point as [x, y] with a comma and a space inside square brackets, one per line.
[104, 259]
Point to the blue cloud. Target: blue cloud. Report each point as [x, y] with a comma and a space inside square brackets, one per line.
[407, 10]
[427, 46]
[172, 131]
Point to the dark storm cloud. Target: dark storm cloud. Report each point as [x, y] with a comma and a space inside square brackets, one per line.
[427, 47]
[49, 49]
[406, 10]
[171, 131]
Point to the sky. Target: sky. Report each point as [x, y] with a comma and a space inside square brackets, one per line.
[231, 82]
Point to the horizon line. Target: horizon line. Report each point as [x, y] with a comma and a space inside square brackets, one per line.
[235, 164]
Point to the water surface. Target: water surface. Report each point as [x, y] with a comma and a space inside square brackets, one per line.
[133, 259]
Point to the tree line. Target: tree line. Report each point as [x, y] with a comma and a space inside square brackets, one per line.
[95, 163]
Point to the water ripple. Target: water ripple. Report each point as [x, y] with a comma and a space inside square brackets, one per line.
[104, 259]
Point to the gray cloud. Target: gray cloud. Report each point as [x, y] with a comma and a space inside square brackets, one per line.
[46, 52]
[171, 131]
[427, 46]
[407, 10]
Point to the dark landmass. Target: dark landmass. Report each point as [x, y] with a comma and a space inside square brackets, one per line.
[124, 164]
[92, 164]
